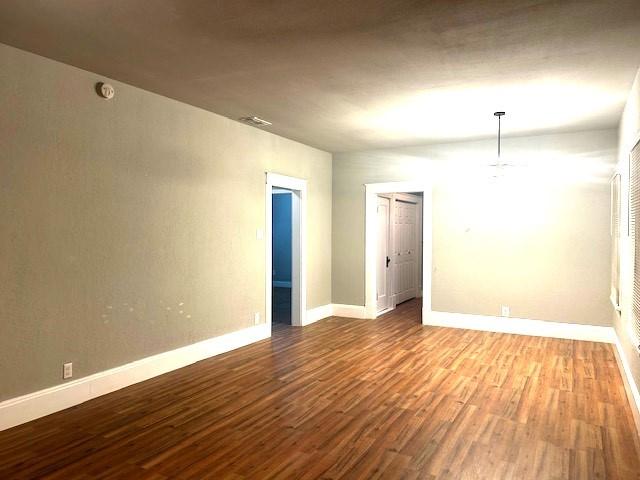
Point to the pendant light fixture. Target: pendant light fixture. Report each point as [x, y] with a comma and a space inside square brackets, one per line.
[499, 165]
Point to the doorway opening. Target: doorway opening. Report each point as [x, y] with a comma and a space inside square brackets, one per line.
[285, 250]
[398, 249]
[410, 256]
[281, 254]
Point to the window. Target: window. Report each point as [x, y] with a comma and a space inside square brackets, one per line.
[634, 230]
[615, 241]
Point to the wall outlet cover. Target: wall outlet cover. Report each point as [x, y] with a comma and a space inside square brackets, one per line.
[506, 311]
[67, 370]
[256, 318]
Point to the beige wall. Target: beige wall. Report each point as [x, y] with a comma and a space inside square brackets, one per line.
[629, 135]
[538, 241]
[118, 215]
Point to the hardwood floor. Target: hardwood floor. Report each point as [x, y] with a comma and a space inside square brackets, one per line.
[281, 305]
[352, 399]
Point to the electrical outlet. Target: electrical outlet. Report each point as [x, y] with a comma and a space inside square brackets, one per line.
[506, 311]
[259, 234]
[256, 318]
[67, 370]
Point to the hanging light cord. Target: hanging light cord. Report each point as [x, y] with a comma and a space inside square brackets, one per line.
[499, 134]
[499, 115]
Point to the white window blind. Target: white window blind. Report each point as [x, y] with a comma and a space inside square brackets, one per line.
[634, 230]
[615, 240]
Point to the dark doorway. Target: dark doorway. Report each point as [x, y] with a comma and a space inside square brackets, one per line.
[281, 251]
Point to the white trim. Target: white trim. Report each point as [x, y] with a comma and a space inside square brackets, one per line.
[283, 181]
[398, 187]
[16, 411]
[334, 309]
[615, 304]
[371, 192]
[298, 187]
[521, 326]
[281, 283]
[349, 311]
[318, 313]
[630, 386]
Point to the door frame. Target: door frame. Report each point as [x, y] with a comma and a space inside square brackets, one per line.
[298, 187]
[371, 193]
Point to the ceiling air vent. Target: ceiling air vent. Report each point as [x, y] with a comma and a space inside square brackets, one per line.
[255, 121]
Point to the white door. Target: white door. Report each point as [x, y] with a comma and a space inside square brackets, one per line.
[405, 255]
[383, 279]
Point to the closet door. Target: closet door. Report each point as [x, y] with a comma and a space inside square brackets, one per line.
[383, 290]
[405, 251]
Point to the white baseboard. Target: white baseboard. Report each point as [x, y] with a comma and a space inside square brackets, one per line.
[280, 283]
[630, 385]
[349, 311]
[521, 326]
[44, 402]
[318, 313]
[334, 309]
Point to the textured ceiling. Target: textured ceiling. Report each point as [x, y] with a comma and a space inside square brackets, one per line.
[362, 74]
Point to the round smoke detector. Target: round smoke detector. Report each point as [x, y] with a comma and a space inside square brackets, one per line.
[105, 90]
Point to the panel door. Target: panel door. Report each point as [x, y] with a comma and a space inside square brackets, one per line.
[383, 293]
[405, 251]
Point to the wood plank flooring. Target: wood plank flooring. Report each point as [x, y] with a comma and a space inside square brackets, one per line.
[347, 398]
